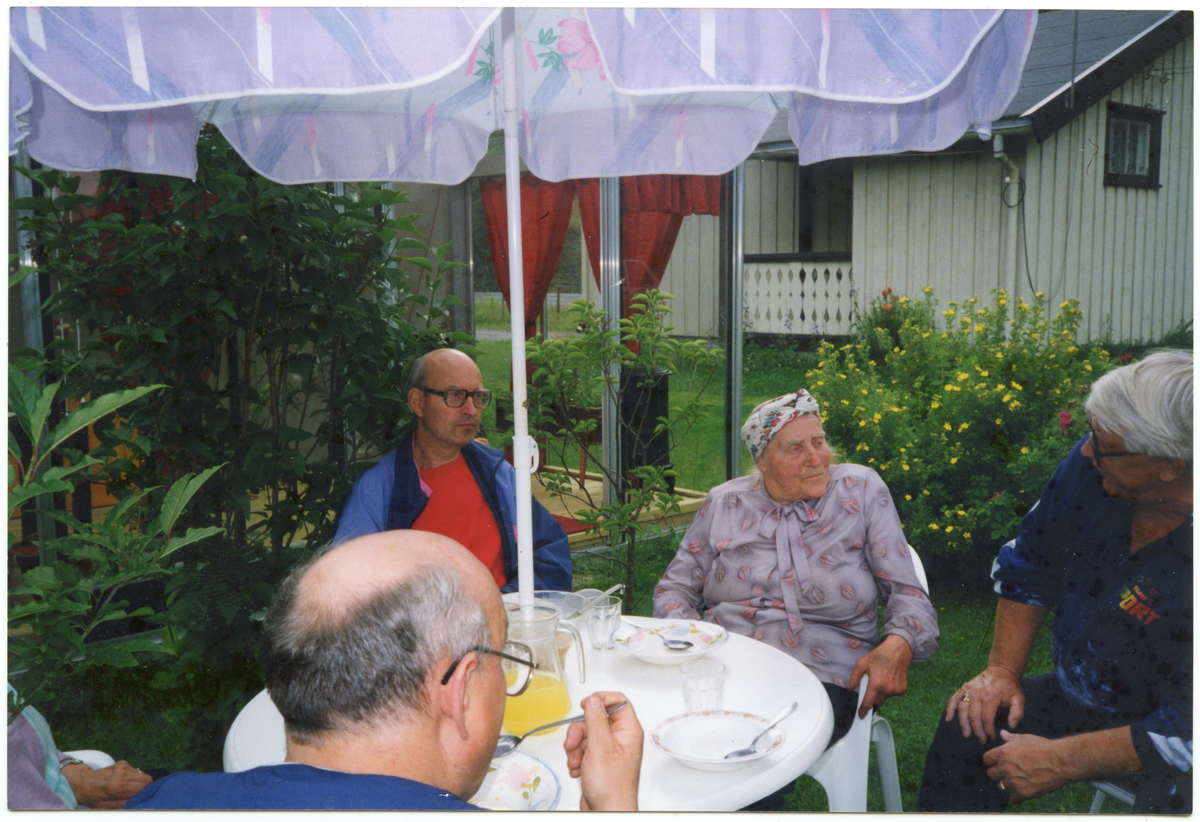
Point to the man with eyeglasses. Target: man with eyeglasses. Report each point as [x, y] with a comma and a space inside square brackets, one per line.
[1108, 548]
[442, 479]
[384, 658]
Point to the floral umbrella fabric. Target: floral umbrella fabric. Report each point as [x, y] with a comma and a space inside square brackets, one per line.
[411, 94]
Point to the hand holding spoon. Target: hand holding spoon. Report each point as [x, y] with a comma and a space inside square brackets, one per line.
[507, 743]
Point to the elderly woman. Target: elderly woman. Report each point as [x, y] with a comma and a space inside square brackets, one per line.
[798, 554]
[1109, 548]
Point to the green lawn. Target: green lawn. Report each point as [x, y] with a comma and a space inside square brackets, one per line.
[964, 618]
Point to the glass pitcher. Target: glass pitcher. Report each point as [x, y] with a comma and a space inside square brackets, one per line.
[546, 699]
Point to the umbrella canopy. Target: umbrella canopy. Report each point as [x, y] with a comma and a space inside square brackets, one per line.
[412, 95]
[406, 94]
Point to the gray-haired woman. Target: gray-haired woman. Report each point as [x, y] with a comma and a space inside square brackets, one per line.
[798, 555]
[1109, 547]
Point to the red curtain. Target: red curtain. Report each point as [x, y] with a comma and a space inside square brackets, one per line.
[545, 218]
[653, 208]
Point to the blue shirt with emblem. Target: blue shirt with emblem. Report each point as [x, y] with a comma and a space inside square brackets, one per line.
[1122, 636]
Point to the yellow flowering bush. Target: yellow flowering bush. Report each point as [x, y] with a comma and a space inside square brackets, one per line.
[965, 421]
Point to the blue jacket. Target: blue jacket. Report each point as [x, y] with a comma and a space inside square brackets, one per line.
[1122, 637]
[292, 787]
[390, 496]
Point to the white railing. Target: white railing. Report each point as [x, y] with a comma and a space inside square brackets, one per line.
[809, 298]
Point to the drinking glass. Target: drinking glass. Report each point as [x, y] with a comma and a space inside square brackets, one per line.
[703, 685]
[602, 620]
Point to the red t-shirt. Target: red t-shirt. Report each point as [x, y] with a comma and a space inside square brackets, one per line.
[456, 509]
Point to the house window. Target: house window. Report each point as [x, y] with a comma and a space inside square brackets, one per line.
[1131, 157]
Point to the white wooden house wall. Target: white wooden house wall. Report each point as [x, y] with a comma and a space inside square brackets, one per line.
[1125, 253]
[938, 220]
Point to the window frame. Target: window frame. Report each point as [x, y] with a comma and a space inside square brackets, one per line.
[1122, 112]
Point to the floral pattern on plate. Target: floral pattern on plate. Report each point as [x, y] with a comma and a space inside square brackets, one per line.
[644, 643]
[518, 782]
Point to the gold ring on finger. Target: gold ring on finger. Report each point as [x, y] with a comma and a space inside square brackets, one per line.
[964, 697]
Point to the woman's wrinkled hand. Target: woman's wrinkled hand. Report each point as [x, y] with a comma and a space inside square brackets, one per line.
[109, 787]
[605, 753]
[886, 667]
[975, 703]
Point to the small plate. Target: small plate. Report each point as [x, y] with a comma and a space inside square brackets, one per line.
[701, 740]
[518, 782]
[644, 644]
[564, 602]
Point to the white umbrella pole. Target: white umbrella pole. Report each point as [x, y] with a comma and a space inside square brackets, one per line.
[524, 451]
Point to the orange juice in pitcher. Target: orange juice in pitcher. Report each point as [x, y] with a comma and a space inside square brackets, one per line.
[545, 700]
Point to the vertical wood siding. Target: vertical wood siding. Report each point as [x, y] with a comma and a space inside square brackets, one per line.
[949, 221]
[1125, 253]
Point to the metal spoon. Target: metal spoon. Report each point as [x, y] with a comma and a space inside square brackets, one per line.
[507, 743]
[750, 750]
[593, 601]
[672, 644]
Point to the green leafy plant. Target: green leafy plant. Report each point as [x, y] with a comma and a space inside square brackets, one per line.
[965, 415]
[571, 374]
[56, 606]
[278, 321]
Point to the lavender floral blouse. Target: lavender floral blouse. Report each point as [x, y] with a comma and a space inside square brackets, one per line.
[803, 578]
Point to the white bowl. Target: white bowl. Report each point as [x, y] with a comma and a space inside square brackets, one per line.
[643, 643]
[564, 602]
[701, 740]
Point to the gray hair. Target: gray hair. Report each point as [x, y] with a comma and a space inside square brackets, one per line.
[367, 666]
[416, 374]
[1148, 404]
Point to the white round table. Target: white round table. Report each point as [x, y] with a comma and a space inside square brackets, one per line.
[759, 679]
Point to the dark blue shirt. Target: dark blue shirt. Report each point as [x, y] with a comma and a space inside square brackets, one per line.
[293, 787]
[1122, 638]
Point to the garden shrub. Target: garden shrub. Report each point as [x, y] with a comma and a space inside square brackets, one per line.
[965, 413]
[279, 320]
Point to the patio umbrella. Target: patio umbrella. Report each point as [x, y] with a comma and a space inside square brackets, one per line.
[412, 95]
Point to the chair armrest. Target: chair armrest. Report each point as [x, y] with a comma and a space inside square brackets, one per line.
[93, 759]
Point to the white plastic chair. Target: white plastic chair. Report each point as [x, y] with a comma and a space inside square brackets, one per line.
[842, 770]
[93, 759]
[1117, 792]
[256, 737]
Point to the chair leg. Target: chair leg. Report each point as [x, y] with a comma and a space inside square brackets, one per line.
[1097, 802]
[885, 760]
[845, 786]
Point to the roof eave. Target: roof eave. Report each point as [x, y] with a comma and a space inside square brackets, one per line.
[1102, 78]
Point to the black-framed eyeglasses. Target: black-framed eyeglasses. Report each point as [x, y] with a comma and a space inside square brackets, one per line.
[457, 397]
[517, 659]
[1100, 454]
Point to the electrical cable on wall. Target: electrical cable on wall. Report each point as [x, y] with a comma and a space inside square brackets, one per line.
[1019, 203]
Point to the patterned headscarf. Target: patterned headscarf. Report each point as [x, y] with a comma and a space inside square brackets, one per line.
[765, 421]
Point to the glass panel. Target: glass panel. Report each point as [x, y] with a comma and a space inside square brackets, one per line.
[1129, 147]
[1116, 146]
[1139, 155]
